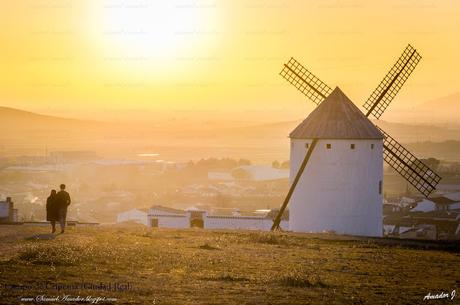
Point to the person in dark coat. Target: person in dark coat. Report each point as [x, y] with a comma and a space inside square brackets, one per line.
[62, 202]
[51, 210]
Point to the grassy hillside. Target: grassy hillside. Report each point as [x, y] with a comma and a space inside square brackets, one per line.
[221, 267]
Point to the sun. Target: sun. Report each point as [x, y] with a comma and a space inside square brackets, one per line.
[160, 31]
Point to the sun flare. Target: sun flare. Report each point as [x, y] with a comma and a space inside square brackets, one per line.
[158, 31]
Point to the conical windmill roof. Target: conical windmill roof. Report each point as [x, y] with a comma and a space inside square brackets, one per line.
[336, 118]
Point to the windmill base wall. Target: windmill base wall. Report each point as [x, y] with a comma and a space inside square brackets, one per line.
[340, 189]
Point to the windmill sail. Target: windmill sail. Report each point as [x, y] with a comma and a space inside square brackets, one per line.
[407, 165]
[399, 158]
[305, 81]
[392, 82]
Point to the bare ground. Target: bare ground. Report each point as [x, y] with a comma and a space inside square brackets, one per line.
[222, 267]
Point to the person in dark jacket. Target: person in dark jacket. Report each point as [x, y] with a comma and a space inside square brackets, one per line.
[51, 210]
[62, 202]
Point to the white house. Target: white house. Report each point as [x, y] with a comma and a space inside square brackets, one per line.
[341, 187]
[165, 217]
[7, 211]
[425, 205]
[446, 202]
[136, 215]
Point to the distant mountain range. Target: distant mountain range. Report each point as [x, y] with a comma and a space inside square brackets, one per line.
[446, 103]
[402, 132]
[11, 118]
[24, 132]
[19, 121]
[444, 110]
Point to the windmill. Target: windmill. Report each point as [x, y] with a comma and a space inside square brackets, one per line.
[419, 175]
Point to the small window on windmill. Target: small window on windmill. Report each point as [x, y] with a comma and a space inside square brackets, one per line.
[306, 145]
[372, 146]
[380, 187]
[328, 146]
[352, 146]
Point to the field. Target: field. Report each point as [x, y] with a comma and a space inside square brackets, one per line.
[195, 266]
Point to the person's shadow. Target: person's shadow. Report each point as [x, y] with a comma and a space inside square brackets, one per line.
[48, 236]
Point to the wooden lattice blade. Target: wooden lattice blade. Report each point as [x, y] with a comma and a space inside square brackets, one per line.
[305, 81]
[386, 91]
[423, 178]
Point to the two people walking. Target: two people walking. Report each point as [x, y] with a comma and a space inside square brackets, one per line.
[56, 208]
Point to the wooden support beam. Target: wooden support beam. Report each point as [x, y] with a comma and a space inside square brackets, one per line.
[276, 222]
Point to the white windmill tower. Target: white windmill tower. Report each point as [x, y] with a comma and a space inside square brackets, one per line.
[341, 190]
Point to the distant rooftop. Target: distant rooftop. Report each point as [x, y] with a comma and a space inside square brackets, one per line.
[263, 173]
[168, 209]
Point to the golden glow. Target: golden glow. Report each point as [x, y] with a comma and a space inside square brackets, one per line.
[215, 59]
[152, 34]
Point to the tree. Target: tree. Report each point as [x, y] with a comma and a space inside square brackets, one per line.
[242, 162]
[432, 163]
[240, 174]
[285, 165]
[275, 164]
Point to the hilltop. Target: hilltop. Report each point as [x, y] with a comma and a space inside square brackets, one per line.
[439, 110]
[28, 133]
[223, 267]
[16, 119]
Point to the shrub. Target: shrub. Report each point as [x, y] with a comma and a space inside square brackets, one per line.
[207, 246]
[67, 255]
[226, 277]
[301, 279]
[268, 238]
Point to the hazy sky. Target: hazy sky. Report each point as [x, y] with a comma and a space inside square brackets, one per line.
[215, 59]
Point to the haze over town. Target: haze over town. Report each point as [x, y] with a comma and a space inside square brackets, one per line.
[229, 152]
[115, 104]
